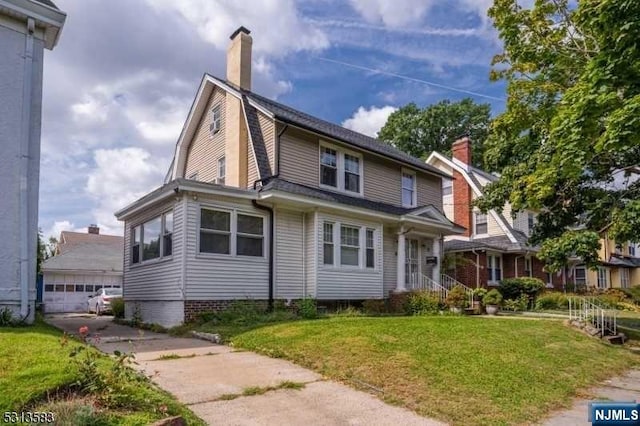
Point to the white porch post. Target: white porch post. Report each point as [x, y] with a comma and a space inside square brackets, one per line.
[436, 253]
[400, 285]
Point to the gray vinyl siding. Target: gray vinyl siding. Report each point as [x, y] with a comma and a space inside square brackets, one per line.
[156, 279]
[390, 259]
[252, 169]
[205, 147]
[429, 190]
[220, 277]
[342, 283]
[311, 259]
[289, 259]
[268, 128]
[299, 163]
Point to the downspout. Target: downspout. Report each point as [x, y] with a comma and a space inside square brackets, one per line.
[477, 267]
[24, 170]
[271, 245]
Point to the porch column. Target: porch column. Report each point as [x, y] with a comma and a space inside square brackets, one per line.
[436, 252]
[400, 285]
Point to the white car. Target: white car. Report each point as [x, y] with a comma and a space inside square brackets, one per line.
[100, 302]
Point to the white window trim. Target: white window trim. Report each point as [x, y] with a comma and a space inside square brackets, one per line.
[362, 251]
[575, 275]
[140, 224]
[489, 280]
[475, 224]
[625, 278]
[414, 197]
[605, 272]
[447, 183]
[216, 129]
[529, 272]
[233, 233]
[340, 169]
[220, 177]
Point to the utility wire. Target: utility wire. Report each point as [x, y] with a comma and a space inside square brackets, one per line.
[416, 80]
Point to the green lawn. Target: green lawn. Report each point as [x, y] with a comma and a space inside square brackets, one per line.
[464, 370]
[36, 373]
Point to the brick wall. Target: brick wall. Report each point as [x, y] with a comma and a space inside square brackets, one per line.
[466, 270]
[462, 196]
[192, 308]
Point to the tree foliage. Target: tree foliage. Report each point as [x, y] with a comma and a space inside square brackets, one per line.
[567, 143]
[435, 127]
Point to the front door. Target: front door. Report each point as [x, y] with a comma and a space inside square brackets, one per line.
[412, 262]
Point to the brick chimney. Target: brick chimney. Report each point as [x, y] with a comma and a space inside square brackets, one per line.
[239, 58]
[93, 229]
[462, 193]
[236, 136]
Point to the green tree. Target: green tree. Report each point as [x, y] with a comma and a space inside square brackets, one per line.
[567, 143]
[435, 127]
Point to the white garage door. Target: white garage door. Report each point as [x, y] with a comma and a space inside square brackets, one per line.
[69, 293]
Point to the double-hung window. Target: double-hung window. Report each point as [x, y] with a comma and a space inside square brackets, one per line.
[624, 278]
[494, 268]
[527, 266]
[580, 276]
[152, 239]
[603, 277]
[447, 187]
[215, 231]
[250, 236]
[216, 119]
[231, 233]
[349, 245]
[222, 170]
[370, 247]
[408, 189]
[531, 222]
[328, 167]
[327, 249]
[340, 169]
[481, 224]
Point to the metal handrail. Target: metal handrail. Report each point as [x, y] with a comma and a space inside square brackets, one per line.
[449, 282]
[586, 310]
[431, 285]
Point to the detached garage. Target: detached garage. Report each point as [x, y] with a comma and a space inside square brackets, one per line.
[82, 265]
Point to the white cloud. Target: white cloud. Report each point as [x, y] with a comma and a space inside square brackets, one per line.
[121, 176]
[276, 26]
[369, 121]
[394, 13]
[58, 227]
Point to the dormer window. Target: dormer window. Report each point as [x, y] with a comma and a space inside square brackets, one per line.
[216, 119]
[481, 224]
[340, 169]
[409, 198]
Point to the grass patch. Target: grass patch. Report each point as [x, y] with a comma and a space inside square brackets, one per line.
[261, 390]
[463, 370]
[37, 374]
[168, 357]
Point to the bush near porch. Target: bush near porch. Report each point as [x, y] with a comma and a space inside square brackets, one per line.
[464, 370]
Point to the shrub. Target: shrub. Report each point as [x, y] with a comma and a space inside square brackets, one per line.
[633, 293]
[551, 301]
[457, 297]
[6, 317]
[479, 293]
[241, 312]
[308, 308]
[374, 307]
[513, 288]
[492, 298]
[423, 303]
[349, 311]
[517, 305]
[117, 307]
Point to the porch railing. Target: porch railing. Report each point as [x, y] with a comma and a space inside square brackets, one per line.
[427, 284]
[449, 282]
[587, 311]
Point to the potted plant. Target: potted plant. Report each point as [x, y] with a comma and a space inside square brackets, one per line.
[492, 301]
[478, 295]
[457, 299]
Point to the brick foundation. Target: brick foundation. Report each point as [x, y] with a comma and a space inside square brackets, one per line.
[192, 308]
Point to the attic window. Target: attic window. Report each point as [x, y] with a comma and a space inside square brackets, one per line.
[216, 118]
[481, 223]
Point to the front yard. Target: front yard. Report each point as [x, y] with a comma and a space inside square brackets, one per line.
[38, 374]
[463, 370]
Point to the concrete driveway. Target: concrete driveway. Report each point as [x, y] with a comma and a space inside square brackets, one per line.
[228, 387]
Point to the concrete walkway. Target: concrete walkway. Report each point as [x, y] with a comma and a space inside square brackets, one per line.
[211, 379]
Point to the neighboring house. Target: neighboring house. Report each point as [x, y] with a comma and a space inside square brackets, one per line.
[82, 264]
[27, 27]
[495, 245]
[264, 202]
[619, 265]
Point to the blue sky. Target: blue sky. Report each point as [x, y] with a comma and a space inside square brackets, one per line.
[120, 82]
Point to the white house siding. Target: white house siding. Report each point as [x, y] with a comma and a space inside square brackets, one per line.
[343, 283]
[289, 258]
[390, 260]
[68, 292]
[311, 258]
[222, 277]
[165, 313]
[156, 279]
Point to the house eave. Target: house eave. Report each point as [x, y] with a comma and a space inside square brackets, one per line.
[49, 18]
